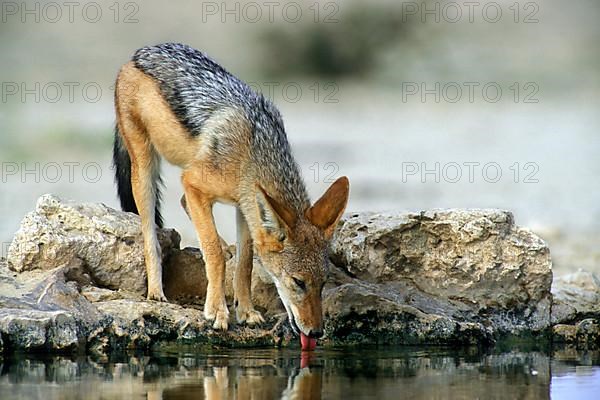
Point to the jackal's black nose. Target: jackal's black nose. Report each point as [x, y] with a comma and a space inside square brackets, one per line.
[315, 334]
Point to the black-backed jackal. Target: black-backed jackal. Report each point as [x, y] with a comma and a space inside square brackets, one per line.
[174, 102]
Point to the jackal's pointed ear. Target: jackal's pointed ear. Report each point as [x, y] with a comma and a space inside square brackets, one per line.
[328, 210]
[276, 218]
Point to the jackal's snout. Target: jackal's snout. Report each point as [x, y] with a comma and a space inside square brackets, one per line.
[315, 334]
[306, 313]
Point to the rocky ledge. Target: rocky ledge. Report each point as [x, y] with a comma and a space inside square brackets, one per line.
[74, 280]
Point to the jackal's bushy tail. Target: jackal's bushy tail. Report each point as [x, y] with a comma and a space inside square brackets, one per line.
[122, 167]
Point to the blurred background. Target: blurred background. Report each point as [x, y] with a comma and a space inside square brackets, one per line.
[426, 104]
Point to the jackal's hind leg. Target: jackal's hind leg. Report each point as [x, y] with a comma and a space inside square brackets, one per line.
[242, 277]
[144, 175]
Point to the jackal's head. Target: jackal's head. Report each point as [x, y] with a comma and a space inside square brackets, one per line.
[293, 249]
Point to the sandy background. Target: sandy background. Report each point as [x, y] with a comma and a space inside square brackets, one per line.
[347, 106]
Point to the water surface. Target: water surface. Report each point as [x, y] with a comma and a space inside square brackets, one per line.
[373, 373]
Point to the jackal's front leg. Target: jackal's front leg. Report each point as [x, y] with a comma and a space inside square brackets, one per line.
[242, 278]
[183, 202]
[200, 209]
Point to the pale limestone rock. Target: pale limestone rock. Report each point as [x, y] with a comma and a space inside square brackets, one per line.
[77, 279]
[476, 261]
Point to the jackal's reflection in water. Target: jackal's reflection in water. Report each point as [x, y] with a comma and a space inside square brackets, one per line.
[304, 382]
[226, 383]
[250, 379]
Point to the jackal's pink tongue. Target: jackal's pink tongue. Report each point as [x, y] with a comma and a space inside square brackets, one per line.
[308, 344]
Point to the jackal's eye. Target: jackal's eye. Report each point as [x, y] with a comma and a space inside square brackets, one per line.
[300, 283]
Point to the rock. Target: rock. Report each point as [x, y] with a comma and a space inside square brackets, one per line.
[476, 264]
[107, 242]
[46, 310]
[75, 278]
[77, 281]
[366, 313]
[564, 333]
[184, 277]
[576, 295]
[576, 310]
[33, 330]
[141, 324]
[585, 334]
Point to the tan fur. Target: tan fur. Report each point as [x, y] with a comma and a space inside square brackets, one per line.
[149, 128]
[328, 210]
[242, 277]
[141, 152]
[139, 99]
[200, 208]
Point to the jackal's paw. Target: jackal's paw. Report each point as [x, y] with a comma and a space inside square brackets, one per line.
[156, 294]
[249, 316]
[220, 317]
[221, 321]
